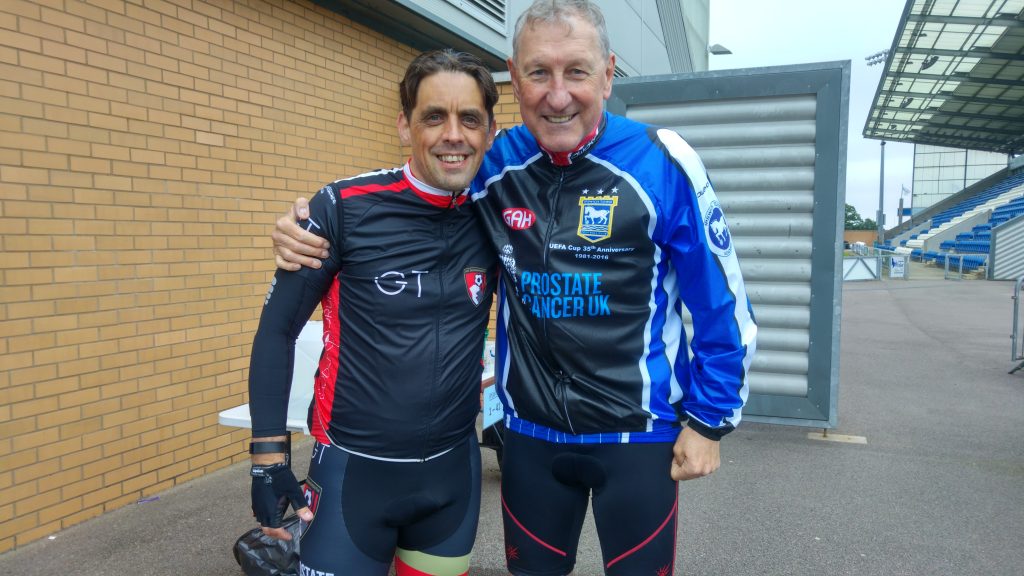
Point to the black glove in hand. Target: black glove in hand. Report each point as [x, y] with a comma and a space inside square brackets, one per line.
[273, 487]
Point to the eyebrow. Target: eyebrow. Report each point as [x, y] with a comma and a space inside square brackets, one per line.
[433, 110]
[442, 110]
[573, 63]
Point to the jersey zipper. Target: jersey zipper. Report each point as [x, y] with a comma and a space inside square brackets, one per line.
[439, 315]
[553, 210]
[564, 379]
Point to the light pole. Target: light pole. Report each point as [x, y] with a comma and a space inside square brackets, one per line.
[881, 197]
[880, 58]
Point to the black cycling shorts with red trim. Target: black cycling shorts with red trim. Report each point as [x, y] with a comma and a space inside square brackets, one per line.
[544, 492]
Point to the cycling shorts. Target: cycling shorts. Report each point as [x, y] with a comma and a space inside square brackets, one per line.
[544, 492]
[366, 510]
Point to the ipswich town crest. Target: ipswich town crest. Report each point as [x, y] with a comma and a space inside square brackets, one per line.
[596, 214]
[717, 231]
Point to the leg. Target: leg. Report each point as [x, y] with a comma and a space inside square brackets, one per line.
[439, 543]
[327, 543]
[636, 509]
[543, 513]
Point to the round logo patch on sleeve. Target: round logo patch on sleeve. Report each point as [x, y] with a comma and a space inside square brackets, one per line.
[717, 231]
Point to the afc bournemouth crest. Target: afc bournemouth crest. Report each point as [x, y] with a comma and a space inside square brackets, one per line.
[596, 214]
[311, 490]
[476, 284]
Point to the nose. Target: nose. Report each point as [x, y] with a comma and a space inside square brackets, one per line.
[453, 130]
[558, 96]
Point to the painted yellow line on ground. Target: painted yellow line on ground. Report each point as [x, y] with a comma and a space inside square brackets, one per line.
[832, 437]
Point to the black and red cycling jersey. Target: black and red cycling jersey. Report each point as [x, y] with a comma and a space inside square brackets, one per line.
[406, 293]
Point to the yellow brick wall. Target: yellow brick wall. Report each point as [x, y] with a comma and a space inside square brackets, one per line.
[506, 113]
[146, 147]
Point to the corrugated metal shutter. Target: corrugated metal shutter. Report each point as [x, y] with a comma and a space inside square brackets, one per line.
[773, 142]
[490, 12]
[1008, 250]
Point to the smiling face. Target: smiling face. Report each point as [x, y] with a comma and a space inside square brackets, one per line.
[561, 78]
[449, 130]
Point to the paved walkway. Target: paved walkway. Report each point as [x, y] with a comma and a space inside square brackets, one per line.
[937, 489]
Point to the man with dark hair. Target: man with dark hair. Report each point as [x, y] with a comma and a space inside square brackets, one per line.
[605, 229]
[406, 293]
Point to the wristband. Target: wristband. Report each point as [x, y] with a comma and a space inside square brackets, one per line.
[273, 447]
[277, 447]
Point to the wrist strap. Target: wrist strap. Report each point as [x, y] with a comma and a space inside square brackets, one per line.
[268, 448]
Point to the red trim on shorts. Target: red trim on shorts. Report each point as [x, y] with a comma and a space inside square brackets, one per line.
[675, 507]
[530, 534]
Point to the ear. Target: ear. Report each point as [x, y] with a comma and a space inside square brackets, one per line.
[491, 132]
[404, 131]
[513, 73]
[609, 74]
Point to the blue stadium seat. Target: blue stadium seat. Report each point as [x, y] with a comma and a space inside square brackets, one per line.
[972, 263]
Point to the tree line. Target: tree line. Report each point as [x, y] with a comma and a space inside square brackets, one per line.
[855, 222]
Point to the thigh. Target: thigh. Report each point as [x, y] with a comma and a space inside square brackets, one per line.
[636, 508]
[542, 514]
[438, 542]
[333, 542]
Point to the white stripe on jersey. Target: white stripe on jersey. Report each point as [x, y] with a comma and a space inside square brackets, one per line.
[694, 168]
[476, 195]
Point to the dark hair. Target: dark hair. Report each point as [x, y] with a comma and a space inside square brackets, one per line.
[447, 60]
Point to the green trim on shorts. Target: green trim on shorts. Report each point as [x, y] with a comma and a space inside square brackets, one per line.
[436, 565]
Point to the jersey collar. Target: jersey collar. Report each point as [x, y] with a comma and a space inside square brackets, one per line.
[567, 158]
[432, 195]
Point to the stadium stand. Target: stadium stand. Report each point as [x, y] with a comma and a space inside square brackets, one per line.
[1003, 198]
[961, 239]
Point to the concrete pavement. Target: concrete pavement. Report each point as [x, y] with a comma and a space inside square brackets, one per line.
[938, 487]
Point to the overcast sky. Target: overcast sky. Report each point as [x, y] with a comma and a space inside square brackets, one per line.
[777, 32]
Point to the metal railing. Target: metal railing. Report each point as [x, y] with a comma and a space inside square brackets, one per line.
[874, 264]
[958, 274]
[1017, 348]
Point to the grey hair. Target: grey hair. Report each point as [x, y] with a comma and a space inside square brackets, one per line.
[552, 11]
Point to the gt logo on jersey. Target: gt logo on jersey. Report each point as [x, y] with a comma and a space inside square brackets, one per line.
[519, 218]
[476, 284]
[717, 231]
[393, 282]
[596, 214]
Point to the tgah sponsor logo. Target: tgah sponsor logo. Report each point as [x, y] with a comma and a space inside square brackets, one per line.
[519, 218]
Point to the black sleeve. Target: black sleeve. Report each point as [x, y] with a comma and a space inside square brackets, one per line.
[290, 300]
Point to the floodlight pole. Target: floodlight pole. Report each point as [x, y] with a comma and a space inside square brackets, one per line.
[881, 197]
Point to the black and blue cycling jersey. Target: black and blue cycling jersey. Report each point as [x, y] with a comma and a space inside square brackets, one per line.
[600, 250]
